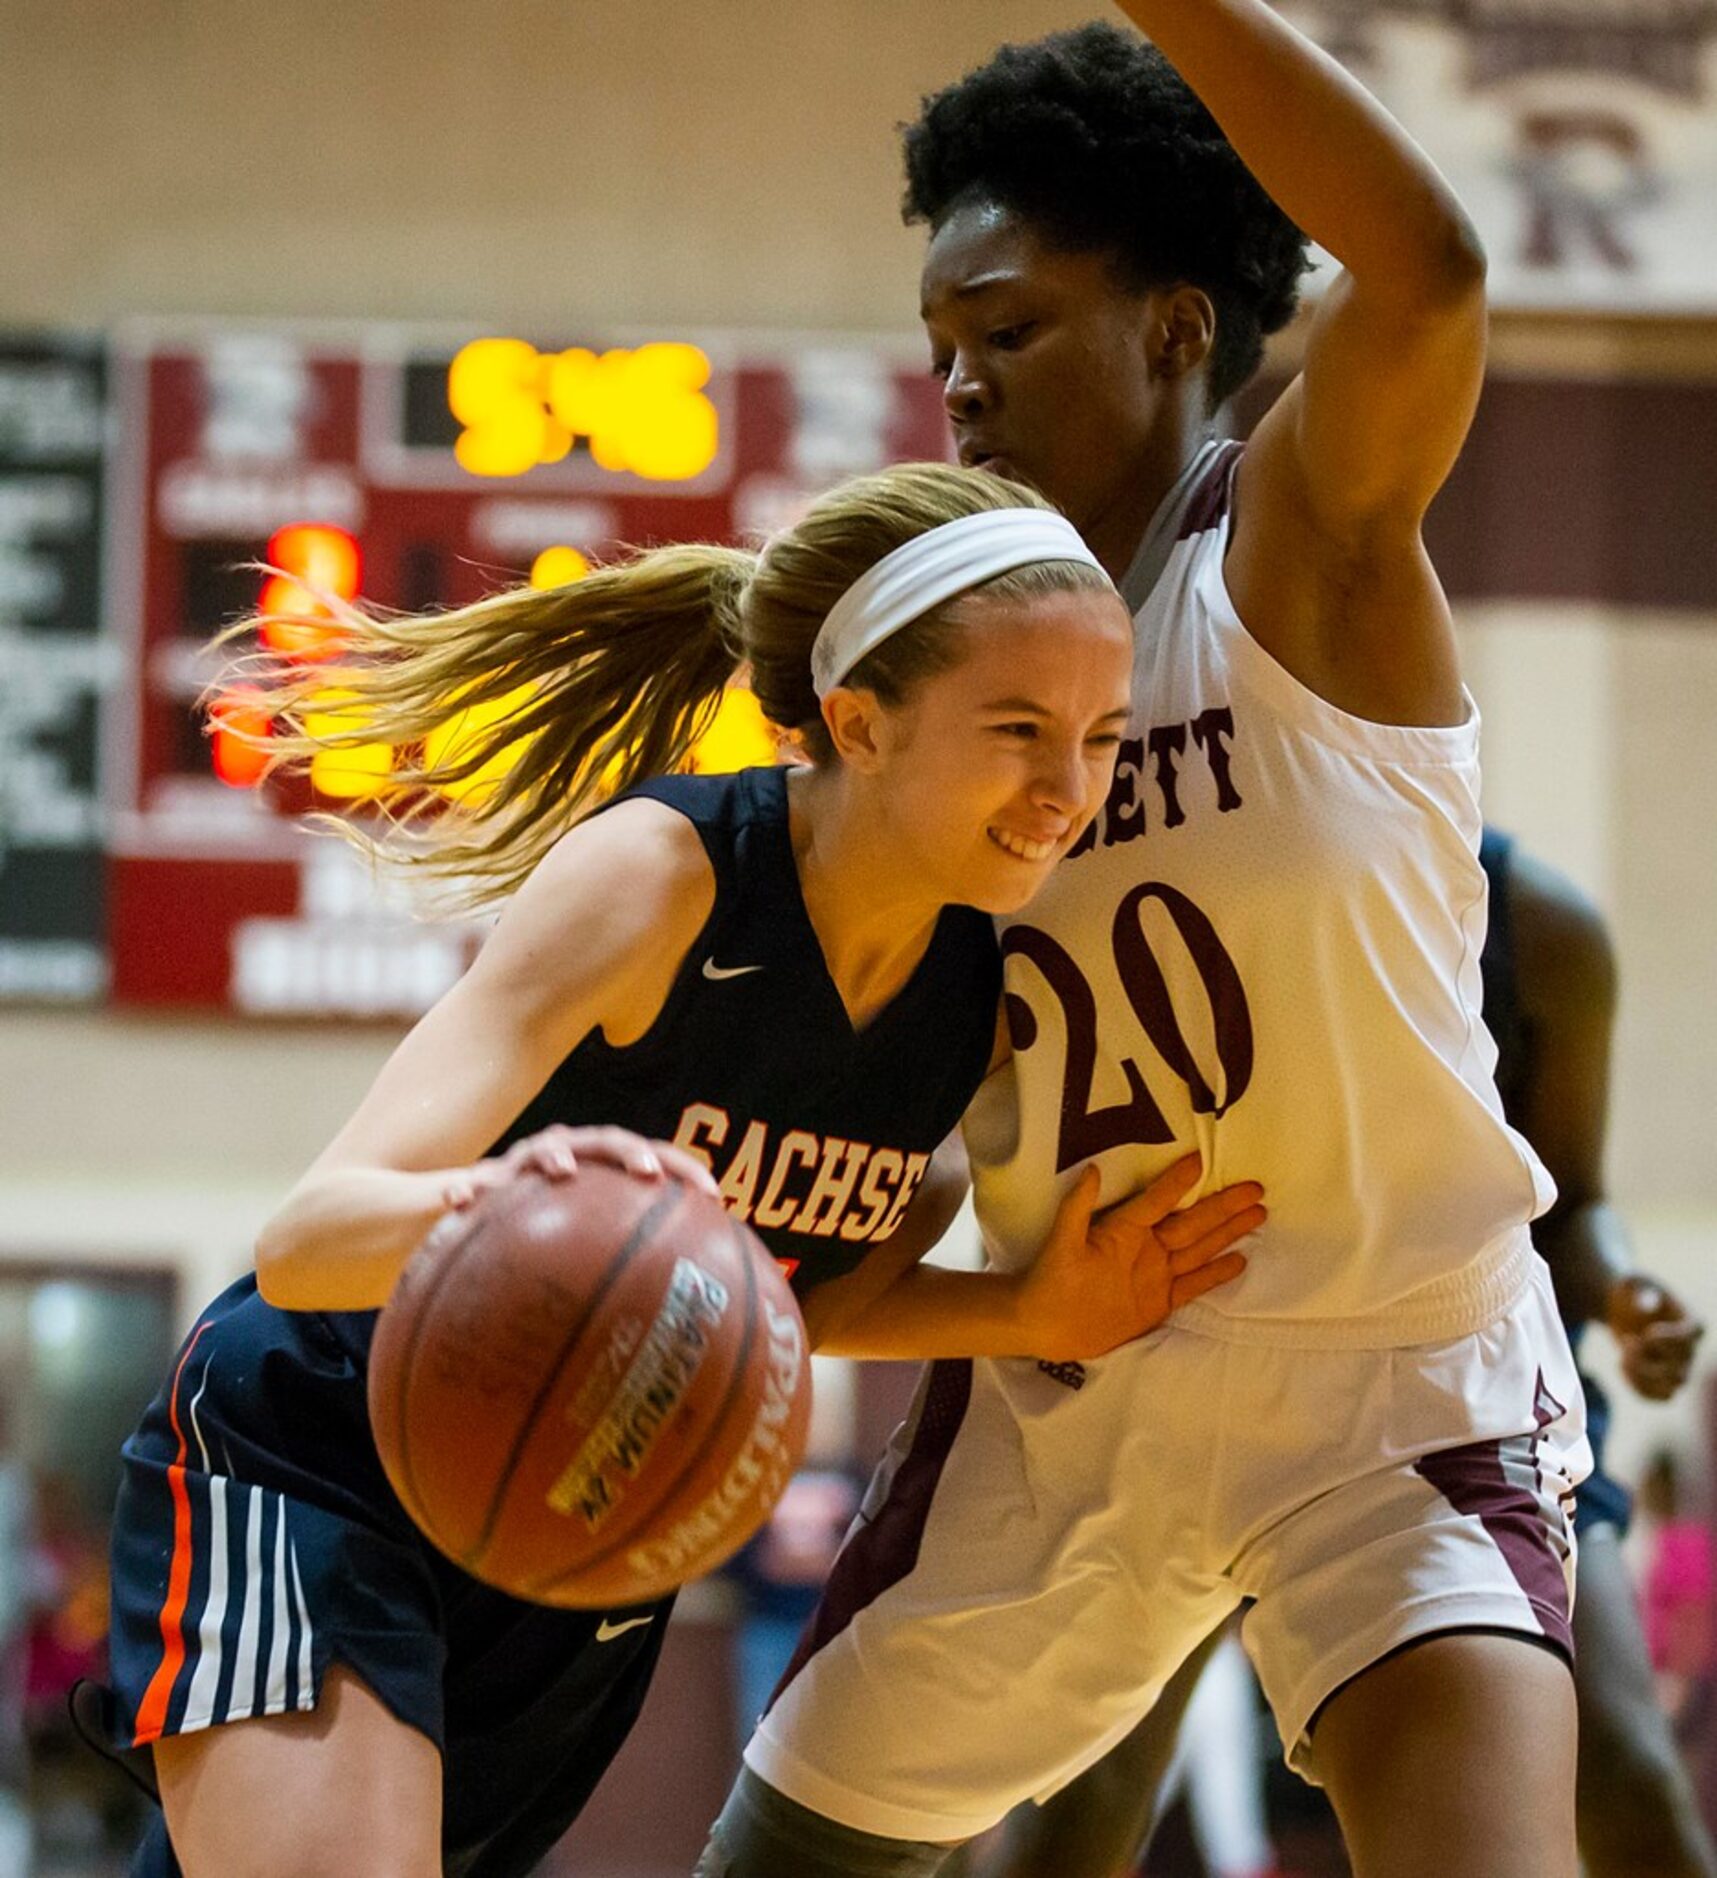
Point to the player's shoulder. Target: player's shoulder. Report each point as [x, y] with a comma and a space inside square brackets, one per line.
[739, 820]
[719, 799]
[619, 889]
[638, 840]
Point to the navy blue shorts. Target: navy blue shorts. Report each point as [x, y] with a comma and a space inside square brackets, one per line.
[256, 1541]
[1600, 1500]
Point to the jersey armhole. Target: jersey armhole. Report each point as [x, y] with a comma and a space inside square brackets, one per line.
[718, 856]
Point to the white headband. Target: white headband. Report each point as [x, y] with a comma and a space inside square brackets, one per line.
[933, 567]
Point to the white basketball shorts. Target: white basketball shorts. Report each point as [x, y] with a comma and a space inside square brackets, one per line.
[1035, 1559]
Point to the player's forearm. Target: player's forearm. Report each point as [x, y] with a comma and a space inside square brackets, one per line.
[1329, 154]
[339, 1240]
[932, 1312]
[1587, 1249]
[830, 1308]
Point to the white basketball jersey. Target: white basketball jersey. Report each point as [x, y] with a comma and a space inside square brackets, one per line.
[1267, 948]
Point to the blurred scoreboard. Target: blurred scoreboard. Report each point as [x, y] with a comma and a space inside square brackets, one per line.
[412, 470]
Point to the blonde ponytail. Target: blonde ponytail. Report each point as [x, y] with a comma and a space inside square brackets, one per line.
[570, 694]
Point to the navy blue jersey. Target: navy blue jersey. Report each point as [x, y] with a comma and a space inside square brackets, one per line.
[818, 1133]
[257, 1541]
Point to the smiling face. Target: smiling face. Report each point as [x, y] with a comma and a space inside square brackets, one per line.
[1057, 374]
[989, 771]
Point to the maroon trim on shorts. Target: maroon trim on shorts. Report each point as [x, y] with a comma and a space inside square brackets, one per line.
[883, 1549]
[1476, 1480]
[1208, 503]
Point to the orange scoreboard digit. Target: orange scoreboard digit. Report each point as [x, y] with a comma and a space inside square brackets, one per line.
[292, 470]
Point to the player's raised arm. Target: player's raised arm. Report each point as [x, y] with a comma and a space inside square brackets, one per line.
[593, 938]
[1342, 470]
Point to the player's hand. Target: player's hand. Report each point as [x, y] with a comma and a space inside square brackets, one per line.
[1656, 1332]
[556, 1154]
[1103, 1279]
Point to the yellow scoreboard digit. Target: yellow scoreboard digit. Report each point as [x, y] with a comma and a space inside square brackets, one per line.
[638, 410]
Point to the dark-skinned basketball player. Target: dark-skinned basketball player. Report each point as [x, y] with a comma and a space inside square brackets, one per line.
[1268, 946]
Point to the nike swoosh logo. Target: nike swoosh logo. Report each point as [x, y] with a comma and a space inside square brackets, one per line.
[712, 970]
[607, 1630]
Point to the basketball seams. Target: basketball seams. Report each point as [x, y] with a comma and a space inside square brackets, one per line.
[735, 1384]
[642, 1232]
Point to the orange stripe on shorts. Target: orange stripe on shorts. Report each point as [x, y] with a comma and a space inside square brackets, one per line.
[152, 1711]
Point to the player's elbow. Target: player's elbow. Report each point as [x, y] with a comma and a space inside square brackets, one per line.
[1455, 266]
[1435, 269]
[278, 1259]
[271, 1257]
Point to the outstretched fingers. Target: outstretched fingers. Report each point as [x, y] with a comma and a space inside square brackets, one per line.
[1153, 1204]
[1194, 1284]
[1157, 1208]
[1190, 1225]
[1216, 1240]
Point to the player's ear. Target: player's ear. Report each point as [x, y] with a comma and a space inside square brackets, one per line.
[854, 722]
[1181, 330]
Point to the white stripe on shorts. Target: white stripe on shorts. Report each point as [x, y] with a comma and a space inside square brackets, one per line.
[196, 1425]
[274, 1699]
[306, 1687]
[242, 1701]
[258, 1688]
[200, 1701]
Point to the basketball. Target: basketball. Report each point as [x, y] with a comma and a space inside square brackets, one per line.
[586, 1392]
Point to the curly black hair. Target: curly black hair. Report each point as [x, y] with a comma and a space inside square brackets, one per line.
[1098, 142]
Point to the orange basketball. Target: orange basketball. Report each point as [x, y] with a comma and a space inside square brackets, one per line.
[588, 1391]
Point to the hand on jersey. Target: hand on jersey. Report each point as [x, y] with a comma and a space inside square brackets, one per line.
[555, 1153]
[1656, 1332]
[1103, 1279]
